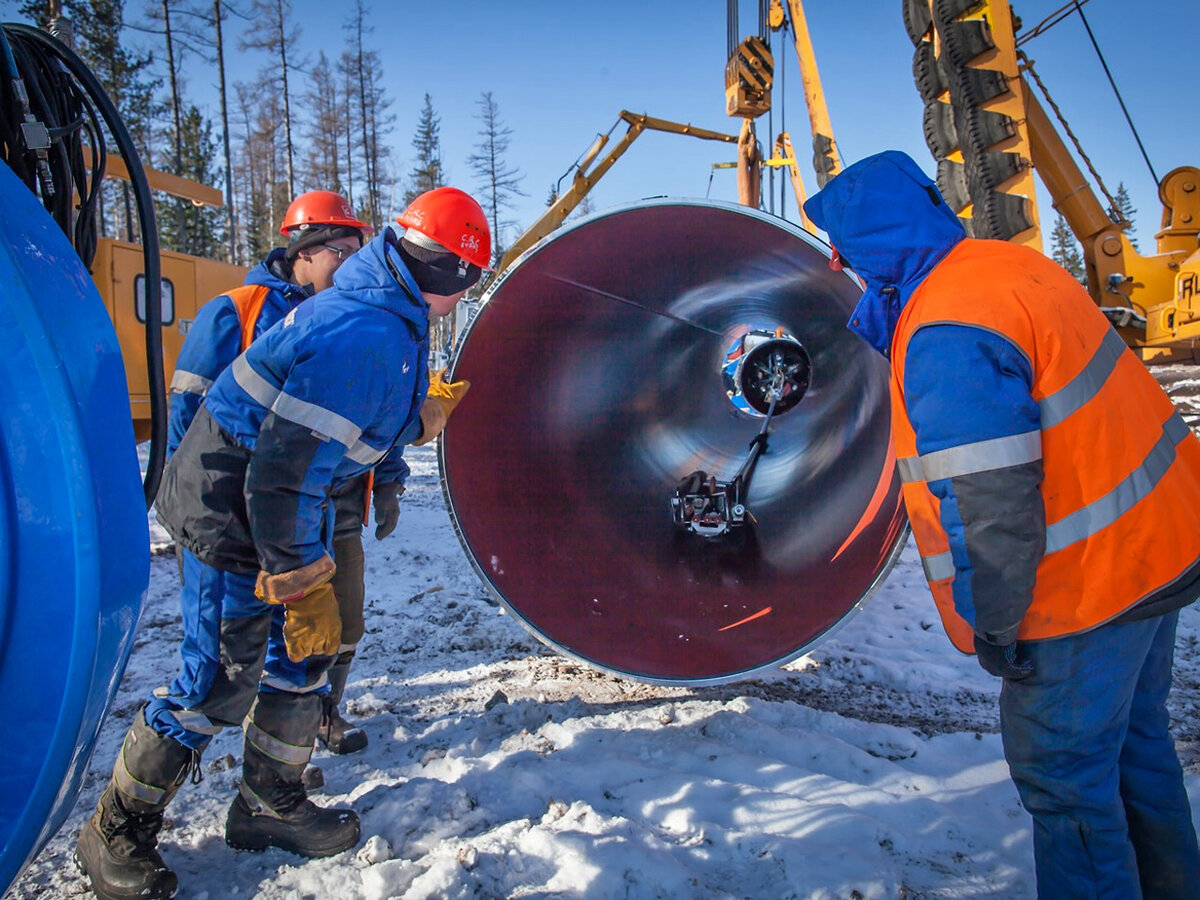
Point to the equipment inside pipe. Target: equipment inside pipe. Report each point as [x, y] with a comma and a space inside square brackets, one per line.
[601, 384]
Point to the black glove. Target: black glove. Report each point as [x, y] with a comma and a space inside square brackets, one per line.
[386, 498]
[1009, 661]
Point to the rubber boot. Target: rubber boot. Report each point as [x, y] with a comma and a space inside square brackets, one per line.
[272, 808]
[335, 733]
[117, 848]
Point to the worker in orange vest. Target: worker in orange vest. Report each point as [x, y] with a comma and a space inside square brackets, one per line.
[1054, 495]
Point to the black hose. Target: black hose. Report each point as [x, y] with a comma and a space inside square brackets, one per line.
[60, 105]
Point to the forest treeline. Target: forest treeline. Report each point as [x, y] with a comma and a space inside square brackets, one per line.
[300, 123]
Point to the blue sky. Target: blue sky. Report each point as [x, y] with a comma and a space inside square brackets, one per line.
[561, 72]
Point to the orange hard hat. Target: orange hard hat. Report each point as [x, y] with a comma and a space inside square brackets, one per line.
[452, 219]
[316, 208]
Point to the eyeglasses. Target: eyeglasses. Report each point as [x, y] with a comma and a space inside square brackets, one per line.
[341, 252]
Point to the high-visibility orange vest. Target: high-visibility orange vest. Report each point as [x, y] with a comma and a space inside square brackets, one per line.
[248, 300]
[1122, 470]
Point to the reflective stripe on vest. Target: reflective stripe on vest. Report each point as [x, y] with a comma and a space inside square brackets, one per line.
[1121, 469]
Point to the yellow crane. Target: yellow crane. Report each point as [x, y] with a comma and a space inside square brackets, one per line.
[990, 136]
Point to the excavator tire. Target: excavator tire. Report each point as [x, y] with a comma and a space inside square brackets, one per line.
[938, 124]
[917, 20]
[974, 86]
[952, 182]
[930, 79]
[963, 41]
[984, 129]
[949, 10]
[1002, 215]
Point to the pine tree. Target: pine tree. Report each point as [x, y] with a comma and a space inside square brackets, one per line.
[202, 232]
[1123, 211]
[498, 181]
[125, 77]
[427, 172]
[1065, 251]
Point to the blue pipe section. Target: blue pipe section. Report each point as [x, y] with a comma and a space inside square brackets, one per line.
[74, 542]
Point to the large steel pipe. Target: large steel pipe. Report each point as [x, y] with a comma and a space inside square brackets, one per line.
[596, 370]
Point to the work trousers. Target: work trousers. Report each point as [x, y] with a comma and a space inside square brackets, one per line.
[349, 504]
[1088, 746]
[232, 648]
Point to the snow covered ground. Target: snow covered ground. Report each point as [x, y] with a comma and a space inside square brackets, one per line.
[869, 769]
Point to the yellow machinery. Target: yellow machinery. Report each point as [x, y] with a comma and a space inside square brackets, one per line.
[589, 170]
[187, 283]
[990, 135]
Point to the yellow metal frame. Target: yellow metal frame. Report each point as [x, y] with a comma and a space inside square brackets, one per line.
[586, 174]
[193, 281]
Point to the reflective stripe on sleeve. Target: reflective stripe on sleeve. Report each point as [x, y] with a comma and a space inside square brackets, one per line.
[318, 418]
[263, 392]
[364, 453]
[190, 383]
[1136, 486]
[982, 456]
[910, 469]
[939, 567]
[310, 415]
[1084, 386]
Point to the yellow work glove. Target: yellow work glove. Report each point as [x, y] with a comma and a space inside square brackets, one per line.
[312, 623]
[443, 396]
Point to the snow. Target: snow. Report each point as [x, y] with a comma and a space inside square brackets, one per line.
[871, 768]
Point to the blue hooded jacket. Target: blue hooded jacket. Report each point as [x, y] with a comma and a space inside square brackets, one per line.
[891, 226]
[318, 399]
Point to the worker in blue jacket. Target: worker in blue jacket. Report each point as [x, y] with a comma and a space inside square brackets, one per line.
[320, 398]
[322, 231]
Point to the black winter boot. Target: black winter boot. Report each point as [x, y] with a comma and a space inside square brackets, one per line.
[338, 735]
[117, 847]
[272, 808]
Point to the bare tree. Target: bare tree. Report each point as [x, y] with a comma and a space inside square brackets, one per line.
[230, 201]
[176, 121]
[276, 38]
[379, 124]
[358, 28]
[365, 66]
[327, 121]
[499, 182]
[348, 69]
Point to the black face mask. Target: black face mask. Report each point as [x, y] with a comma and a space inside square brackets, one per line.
[436, 272]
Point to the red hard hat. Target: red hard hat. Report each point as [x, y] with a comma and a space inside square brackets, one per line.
[321, 208]
[455, 221]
